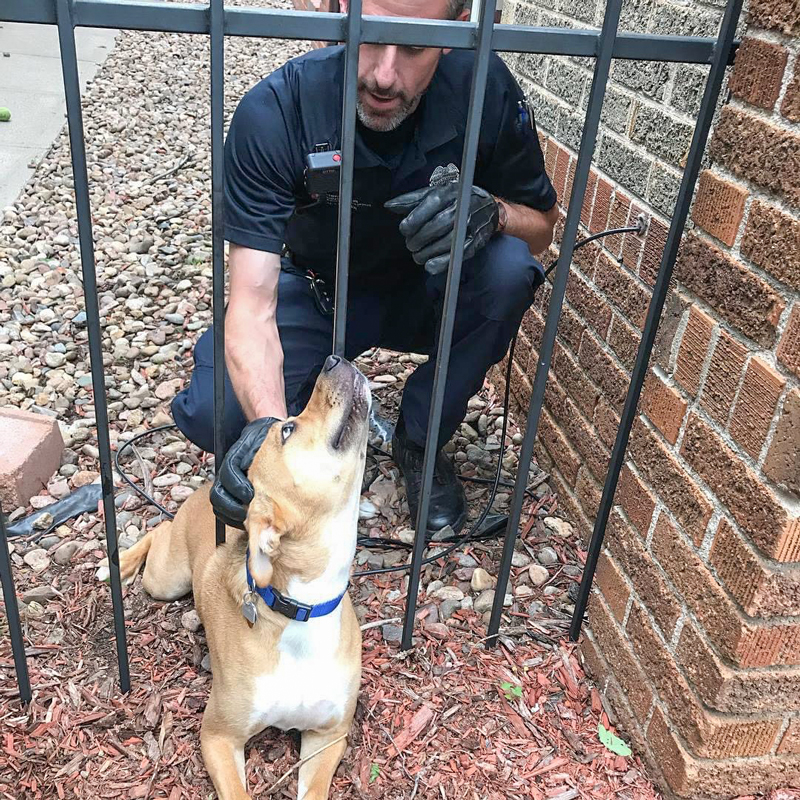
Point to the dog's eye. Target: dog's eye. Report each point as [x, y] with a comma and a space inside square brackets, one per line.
[286, 431]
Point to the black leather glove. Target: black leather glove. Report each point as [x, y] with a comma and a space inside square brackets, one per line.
[431, 218]
[232, 491]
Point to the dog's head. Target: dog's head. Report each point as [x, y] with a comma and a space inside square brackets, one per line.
[310, 467]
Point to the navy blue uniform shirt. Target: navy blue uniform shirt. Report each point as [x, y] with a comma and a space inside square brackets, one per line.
[280, 120]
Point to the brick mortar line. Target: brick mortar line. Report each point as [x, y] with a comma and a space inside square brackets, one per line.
[790, 504]
[646, 204]
[612, 303]
[770, 117]
[628, 603]
[734, 251]
[679, 623]
[787, 721]
[783, 567]
[744, 672]
[680, 330]
[632, 94]
[788, 40]
[792, 64]
[768, 356]
[776, 567]
[752, 347]
[626, 637]
[736, 248]
[552, 94]
[580, 23]
[597, 23]
[756, 191]
[742, 375]
[693, 402]
[773, 426]
[712, 528]
[732, 760]
[665, 105]
[718, 508]
[606, 348]
[648, 755]
[688, 615]
[712, 713]
[602, 681]
[570, 490]
[657, 509]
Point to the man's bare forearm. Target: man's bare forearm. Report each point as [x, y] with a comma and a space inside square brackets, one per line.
[253, 349]
[534, 227]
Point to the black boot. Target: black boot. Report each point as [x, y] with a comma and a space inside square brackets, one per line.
[448, 504]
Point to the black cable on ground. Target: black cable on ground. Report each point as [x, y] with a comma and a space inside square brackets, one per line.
[457, 541]
[451, 542]
[141, 492]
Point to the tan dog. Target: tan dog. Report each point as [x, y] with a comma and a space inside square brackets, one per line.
[301, 538]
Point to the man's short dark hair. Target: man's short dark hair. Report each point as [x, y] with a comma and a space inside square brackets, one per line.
[455, 7]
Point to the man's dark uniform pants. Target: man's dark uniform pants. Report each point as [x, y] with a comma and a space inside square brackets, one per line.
[497, 287]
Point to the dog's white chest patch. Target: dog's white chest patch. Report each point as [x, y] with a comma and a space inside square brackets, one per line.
[309, 687]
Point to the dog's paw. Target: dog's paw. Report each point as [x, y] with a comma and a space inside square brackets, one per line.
[367, 509]
[103, 573]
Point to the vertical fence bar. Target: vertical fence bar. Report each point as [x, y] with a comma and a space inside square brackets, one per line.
[346, 173]
[216, 14]
[601, 70]
[477, 92]
[72, 91]
[703, 126]
[12, 615]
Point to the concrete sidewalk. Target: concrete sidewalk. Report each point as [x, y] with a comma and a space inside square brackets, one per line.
[32, 87]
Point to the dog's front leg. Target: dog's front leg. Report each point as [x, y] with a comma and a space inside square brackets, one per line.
[223, 753]
[316, 774]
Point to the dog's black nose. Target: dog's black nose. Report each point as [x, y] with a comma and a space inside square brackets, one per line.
[331, 362]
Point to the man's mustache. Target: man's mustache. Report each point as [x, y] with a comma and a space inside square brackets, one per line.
[383, 95]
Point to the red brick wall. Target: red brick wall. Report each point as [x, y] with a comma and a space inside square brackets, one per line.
[694, 630]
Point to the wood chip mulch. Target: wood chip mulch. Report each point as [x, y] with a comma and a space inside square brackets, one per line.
[450, 720]
[434, 723]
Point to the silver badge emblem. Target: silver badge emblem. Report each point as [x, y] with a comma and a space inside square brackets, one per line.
[249, 610]
[441, 176]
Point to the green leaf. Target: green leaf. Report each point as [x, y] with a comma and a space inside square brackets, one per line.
[374, 771]
[517, 691]
[612, 742]
[505, 686]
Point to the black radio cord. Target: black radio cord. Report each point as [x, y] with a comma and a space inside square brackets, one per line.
[450, 543]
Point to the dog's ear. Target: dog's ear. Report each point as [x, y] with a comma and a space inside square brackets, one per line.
[265, 526]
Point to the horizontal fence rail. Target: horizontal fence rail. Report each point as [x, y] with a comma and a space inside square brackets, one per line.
[483, 36]
[279, 24]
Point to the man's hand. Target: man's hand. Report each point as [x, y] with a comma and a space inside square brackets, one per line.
[430, 220]
[232, 491]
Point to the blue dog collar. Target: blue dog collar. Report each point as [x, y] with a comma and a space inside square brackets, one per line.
[301, 612]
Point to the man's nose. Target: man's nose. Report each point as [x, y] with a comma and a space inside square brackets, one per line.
[386, 67]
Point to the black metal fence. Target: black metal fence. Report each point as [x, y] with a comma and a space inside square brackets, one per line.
[484, 36]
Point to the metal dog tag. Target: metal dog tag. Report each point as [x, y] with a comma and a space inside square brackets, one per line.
[249, 610]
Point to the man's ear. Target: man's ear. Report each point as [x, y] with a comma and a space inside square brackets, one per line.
[265, 527]
[462, 17]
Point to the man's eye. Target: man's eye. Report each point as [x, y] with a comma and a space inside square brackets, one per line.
[414, 50]
[286, 431]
